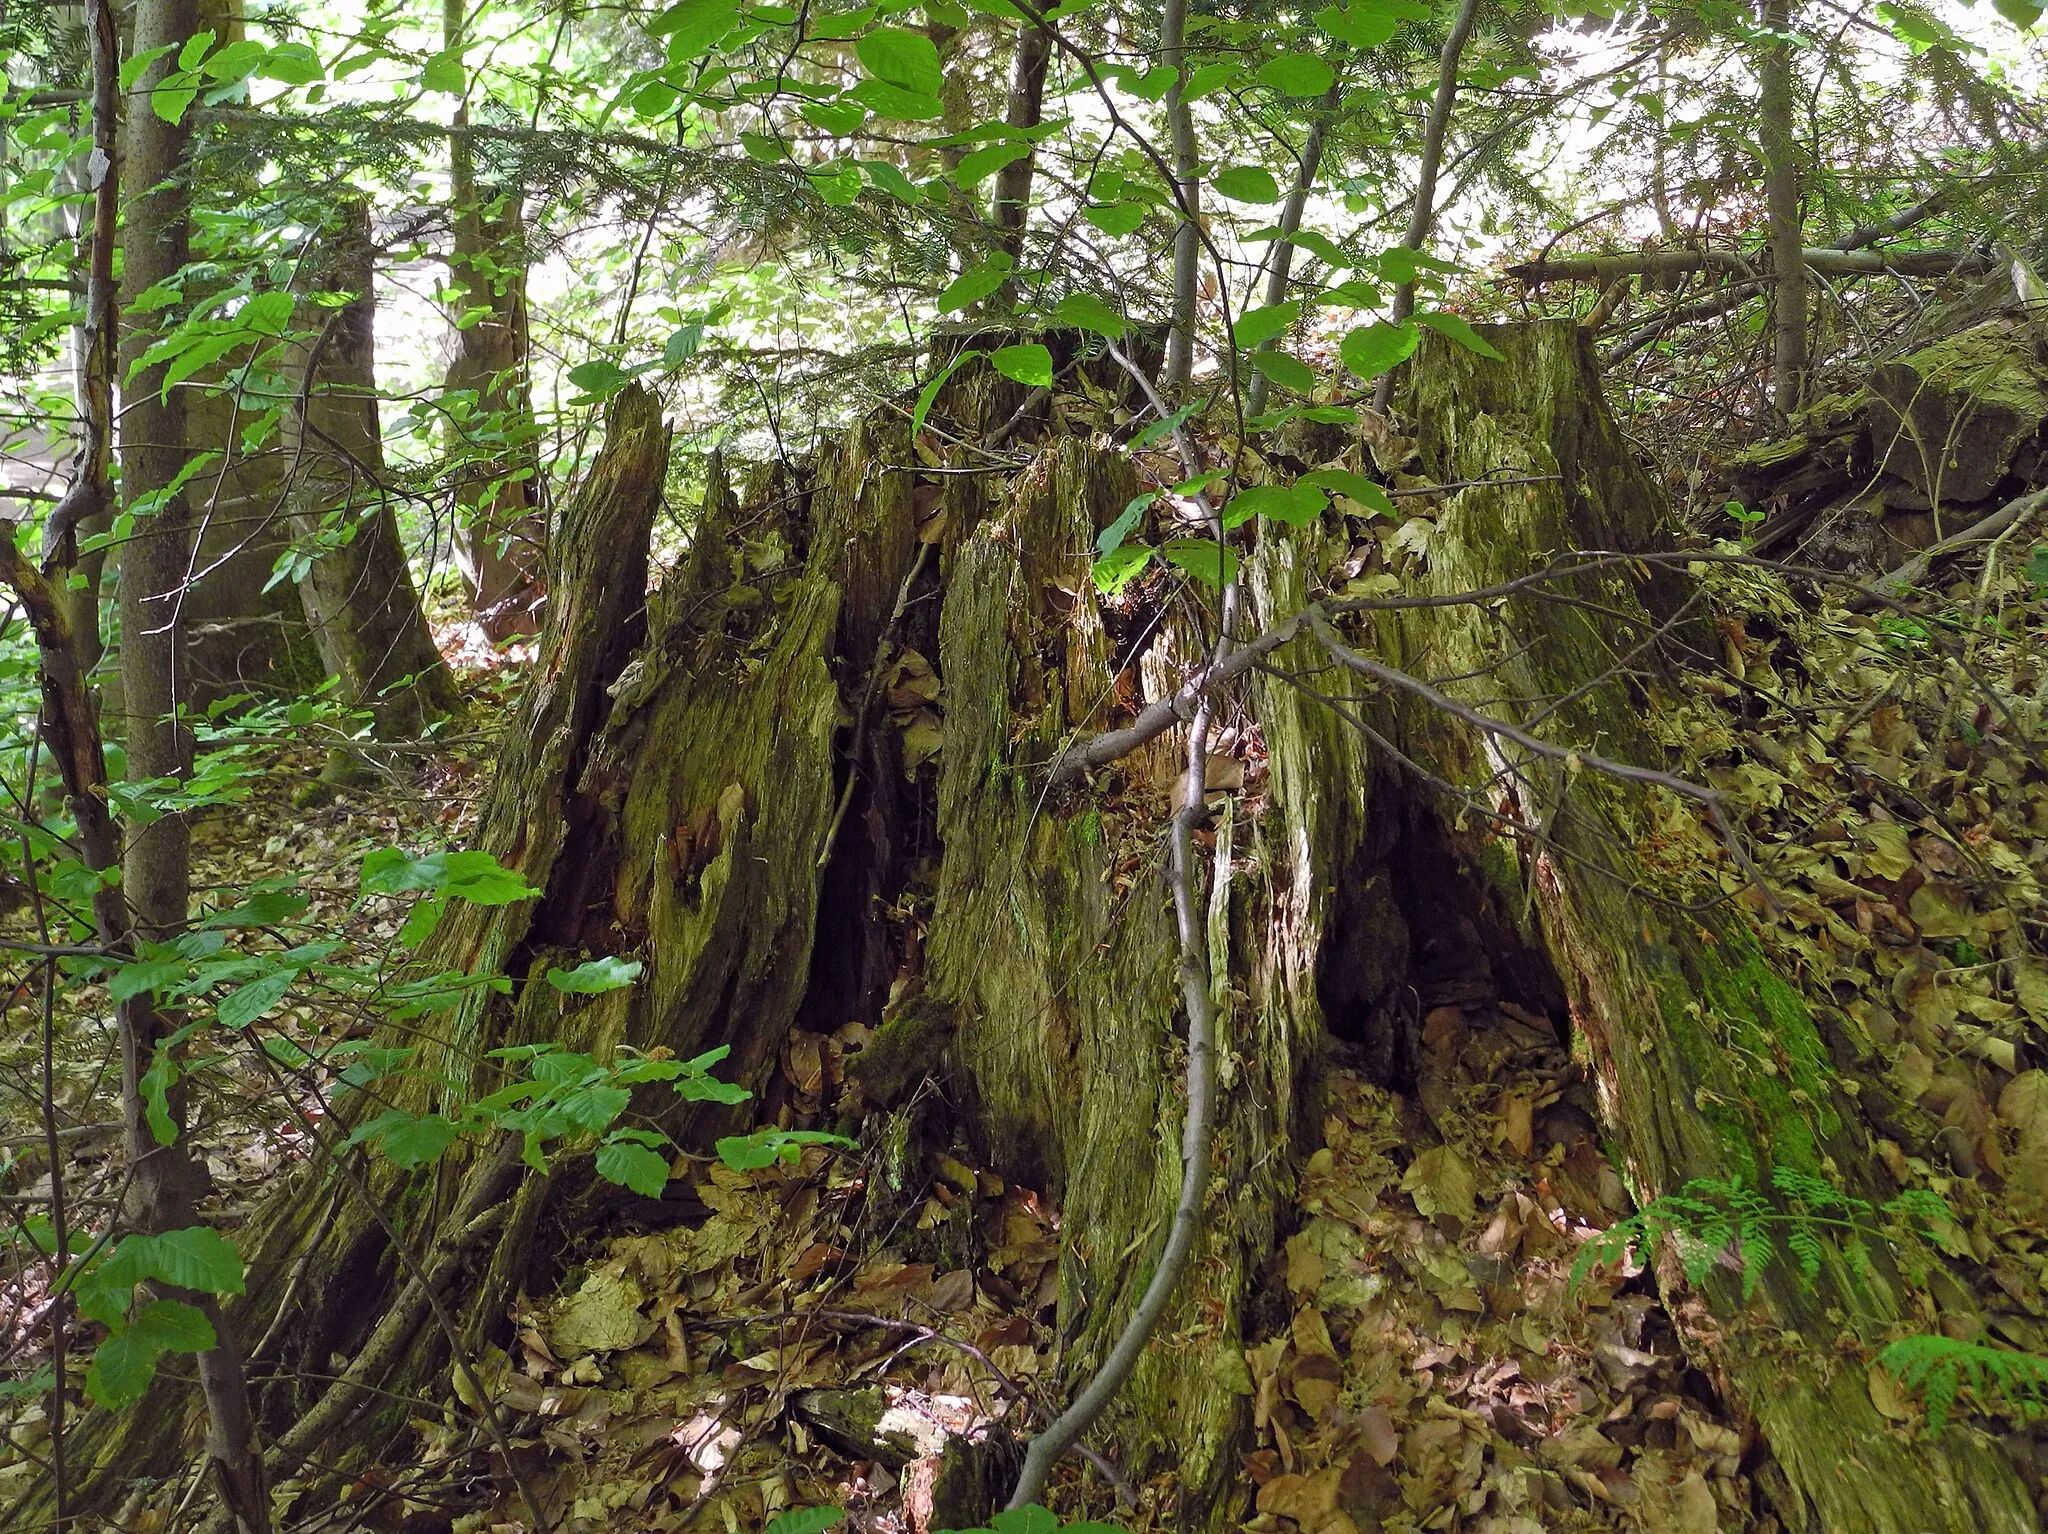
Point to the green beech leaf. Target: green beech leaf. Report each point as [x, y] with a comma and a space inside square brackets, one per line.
[632, 1166]
[599, 378]
[121, 1370]
[409, 1140]
[808, 1520]
[594, 976]
[1208, 79]
[242, 1006]
[155, 1086]
[978, 166]
[1203, 558]
[888, 99]
[1372, 350]
[170, 99]
[1027, 364]
[194, 49]
[1287, 371]
[1256, 325]
[1455, 328]
[1297, 74]
[133, 69]
[1117, 218]
[1029, 1519]
[900, 57]
[474, 876]
[694, 27]
[1292, 505]
[197, 1257]
[1360, 489]
[1120, 566]
[976, 283]
[2021, 13]
[836, 184]
[291, 64]
[1112, 537]
[171, 1326]
[930, 392]
[1084, 311]
[1247, 183]
[890, 178]
[444, 73]
[838, 118]
[1355, 26]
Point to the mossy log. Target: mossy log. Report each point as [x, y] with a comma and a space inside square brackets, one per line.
[677, 786]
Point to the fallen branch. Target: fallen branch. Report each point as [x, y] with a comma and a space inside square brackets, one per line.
[1828, 260]
[1914, 570]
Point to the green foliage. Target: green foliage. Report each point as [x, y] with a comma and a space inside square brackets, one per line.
[1940, 1369]
[1713, 1223]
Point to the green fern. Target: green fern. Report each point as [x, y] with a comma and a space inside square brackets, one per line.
[1714, 1221]
[1938, 1369]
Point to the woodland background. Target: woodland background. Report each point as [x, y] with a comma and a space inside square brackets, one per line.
[1213, 765]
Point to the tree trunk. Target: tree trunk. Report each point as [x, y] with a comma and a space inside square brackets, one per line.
[165, 1181]
[674, 784]
[1677, 1008]
[1783, 194]
[358, 591]
[500, 530]
[1187, 238]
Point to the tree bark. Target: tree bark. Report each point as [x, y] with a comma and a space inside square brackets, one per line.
[1676, 1008]
[1187, 238]
[500, 530]
[1784, 182]
[165, 1181]
[358, 592]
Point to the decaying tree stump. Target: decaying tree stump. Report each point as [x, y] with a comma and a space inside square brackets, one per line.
[1933, 441]
[677, 785]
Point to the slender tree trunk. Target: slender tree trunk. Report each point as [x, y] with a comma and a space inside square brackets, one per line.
[1282, 270]
[1021, 112]
[500, 532]
[165, 1180]
[155, 562]
[1784, 183]
[87, 506]
[1187, 239]
[1435, 133]
[359, 593]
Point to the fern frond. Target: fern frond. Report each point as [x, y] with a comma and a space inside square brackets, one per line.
[1939, 1369]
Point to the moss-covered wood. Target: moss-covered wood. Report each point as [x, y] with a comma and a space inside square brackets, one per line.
[1710, 1063]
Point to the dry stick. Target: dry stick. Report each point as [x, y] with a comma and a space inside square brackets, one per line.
[424, 1284]
[1434, 132]
[1720, 303]
[867, 701]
